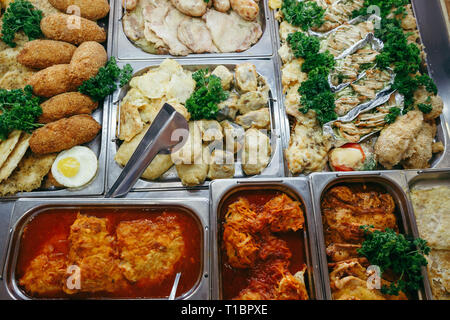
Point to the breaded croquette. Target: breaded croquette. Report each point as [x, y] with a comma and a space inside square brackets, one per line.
[52, 81]
[89, 9]
[89, 57]
[71, 29]
[41, 54]
[66, 105]
[64, 134]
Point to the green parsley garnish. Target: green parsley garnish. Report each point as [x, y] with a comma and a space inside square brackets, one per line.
[105, 82]
[19, 111]
[394, 112]
[303, 14]
[398, 253]
[21, 15]
[203, 102]
[425, 108]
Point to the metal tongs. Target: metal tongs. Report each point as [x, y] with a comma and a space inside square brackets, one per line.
[167, 133]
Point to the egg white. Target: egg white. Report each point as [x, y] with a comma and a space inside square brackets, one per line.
[88, 167]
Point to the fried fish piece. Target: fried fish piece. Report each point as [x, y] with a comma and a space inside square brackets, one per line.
[89, 57]
[52, 81]
[150, 249]
[66, 105]
[64, 134]
[89, 9]
[41, 54]
[72, 29]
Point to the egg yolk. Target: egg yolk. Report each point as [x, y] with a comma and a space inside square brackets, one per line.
[69, 167]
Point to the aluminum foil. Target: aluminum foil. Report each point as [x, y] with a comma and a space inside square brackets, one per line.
[339, 140]
[376, 45]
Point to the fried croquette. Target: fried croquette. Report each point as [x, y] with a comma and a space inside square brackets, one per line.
[89, 57]
[52, 81]
[66, 105]
[71, 29]
[64, 134]
[89, 9]
[41, 54]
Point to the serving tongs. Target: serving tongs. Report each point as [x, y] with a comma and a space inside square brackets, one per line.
[167, 133]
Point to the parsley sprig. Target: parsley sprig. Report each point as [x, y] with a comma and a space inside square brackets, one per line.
[315, 92]
[105, 82]
[303, 14]
[21, 15]
[401, 254]
[19, 111]
[203, 102]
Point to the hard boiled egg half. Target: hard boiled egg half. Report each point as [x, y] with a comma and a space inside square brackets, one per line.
[75, 167]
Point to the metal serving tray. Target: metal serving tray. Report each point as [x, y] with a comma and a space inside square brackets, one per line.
[97, 186]
[296, 188]
[430, 22]
[394, 183]
[170, 180]
[24, 210]
[125, 49]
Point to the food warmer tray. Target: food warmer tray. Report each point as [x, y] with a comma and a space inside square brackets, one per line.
[394, 182]
[431, 23]
[170, 180]
[25, 209]
[124, 49]
[297, 189]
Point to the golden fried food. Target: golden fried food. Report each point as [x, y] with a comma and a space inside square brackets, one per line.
[396, 138]
[45, 274]
[52, 81]
[89, 9]
[284, 214]
[66, 105]
[150, 249]
[8, 145]
[92, 250]
[64, 134]
[72, 29]
[41, 54]
[89, 57]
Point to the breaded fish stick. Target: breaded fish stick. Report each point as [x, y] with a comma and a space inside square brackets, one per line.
[41, 54]
[66, 105]
[64, 134]
[52, 81]
[89, 9]
[71, 29]
[89, 57]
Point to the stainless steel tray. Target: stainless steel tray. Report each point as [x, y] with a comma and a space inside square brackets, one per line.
[98, 145]
[170, 180]
[25, 210]
[124, 49]
[431, 23]
[298, 189]
[394, 183]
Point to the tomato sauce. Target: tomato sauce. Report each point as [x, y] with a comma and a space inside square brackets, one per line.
[53, 227]
[235, 280]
